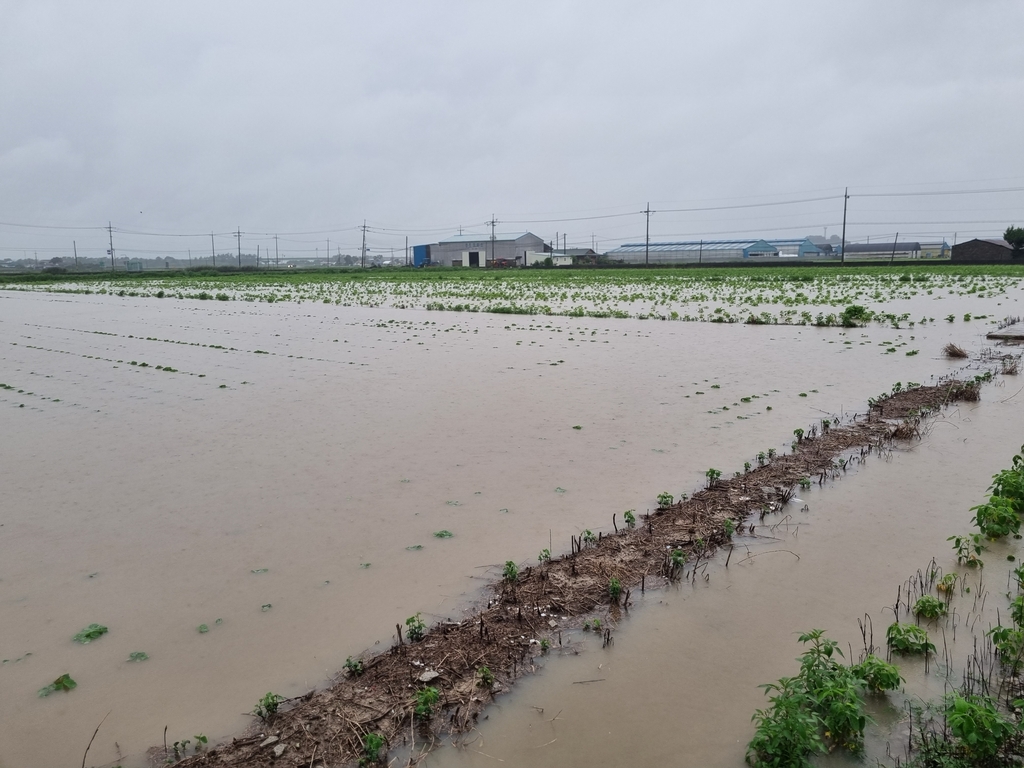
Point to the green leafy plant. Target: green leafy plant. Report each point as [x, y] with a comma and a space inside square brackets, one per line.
[930, 607]
[947, 583]
[373, 743]
[62, 683]
[787, 732]
[415, 628]
[805, 483]
[665, 499]
[761, 459]
[630, 517]
[908, 639]
[968, 548]
[614, 589]
[799, 433]
[443, 534]
[589, 537]
[267, 706]
[202, 629]
[484, 678]
[997, 518]
[878, 675]
[90, 633]
[544, 556]
[713, 476]
[426, 698]
[728, 527]
[354, 666]
[978, 724]
[545, 644]
[138, 656]
[510, 573]
[1009, 642]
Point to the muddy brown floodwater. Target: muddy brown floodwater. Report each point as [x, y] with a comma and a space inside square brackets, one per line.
[321, 443]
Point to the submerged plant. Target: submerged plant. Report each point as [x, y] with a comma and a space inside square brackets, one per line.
[90, 633]
[630, 518]
[713, 476]
[908, 639]
[968, 548]
[878, 675]
[62, 683]
[665, 499]
[930, 607]
[997, 518]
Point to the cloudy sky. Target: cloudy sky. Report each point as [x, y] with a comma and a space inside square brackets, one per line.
[420, 117]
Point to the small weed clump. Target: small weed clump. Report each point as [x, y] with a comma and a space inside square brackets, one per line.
[630, 517]
[415, 628]
[484, 678]
[713, 476]
[665, 499]
[267, 707]
[373, 743]
[510, 573]
[614, 589]
[354, 667]
[443, 534]
[426, 698]
[908, 639]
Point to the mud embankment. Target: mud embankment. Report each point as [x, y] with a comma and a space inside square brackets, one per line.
[527, 614]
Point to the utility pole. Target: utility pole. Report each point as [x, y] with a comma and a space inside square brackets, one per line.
[328, 251]
[75, 246]
[190, 258]
[238, 234]
[257, 255]
[213, 251]
[647, 242]
[110, 232]
[700, 253]
[407, 250]
[892, 256]
[277, 256]
[493, 222]
[846, 197]
[362, 253]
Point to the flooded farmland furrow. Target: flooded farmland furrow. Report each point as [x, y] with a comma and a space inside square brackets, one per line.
[145, 500]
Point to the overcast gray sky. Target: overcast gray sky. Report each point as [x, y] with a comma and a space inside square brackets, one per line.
[191, 117]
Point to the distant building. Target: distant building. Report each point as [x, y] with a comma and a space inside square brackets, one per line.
[701, 251]
[940, 250]
[982, 251]
[479, 250]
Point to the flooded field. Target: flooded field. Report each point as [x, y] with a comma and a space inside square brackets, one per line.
[276, 471]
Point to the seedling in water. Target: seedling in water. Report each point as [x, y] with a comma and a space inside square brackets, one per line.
[138, 656]
[202, 629]
[354, 666]
[90, 633]
[444, 534]
[665, 499]
[799, 434]
[267, 707]
[589, 538]
[968, 548]
[544, 556]
[62, 683]
[630, 518]
[713, 476]
[510, 573]
[805, 483]
[415, 628]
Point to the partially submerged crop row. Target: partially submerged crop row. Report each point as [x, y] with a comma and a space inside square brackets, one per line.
[437, 680]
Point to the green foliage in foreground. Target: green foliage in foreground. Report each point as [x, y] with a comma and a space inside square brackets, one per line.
[821, 708]
[930, 607]
[426, 698]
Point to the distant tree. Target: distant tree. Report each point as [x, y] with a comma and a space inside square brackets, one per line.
[1015, 237]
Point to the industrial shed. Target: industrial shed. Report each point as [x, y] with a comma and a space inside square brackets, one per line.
[701, 251]
[480, 250]
[981, 251]
[883, 250]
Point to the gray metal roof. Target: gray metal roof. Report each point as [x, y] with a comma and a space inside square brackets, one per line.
[882, 247]
[498, 236]
[694, 245]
